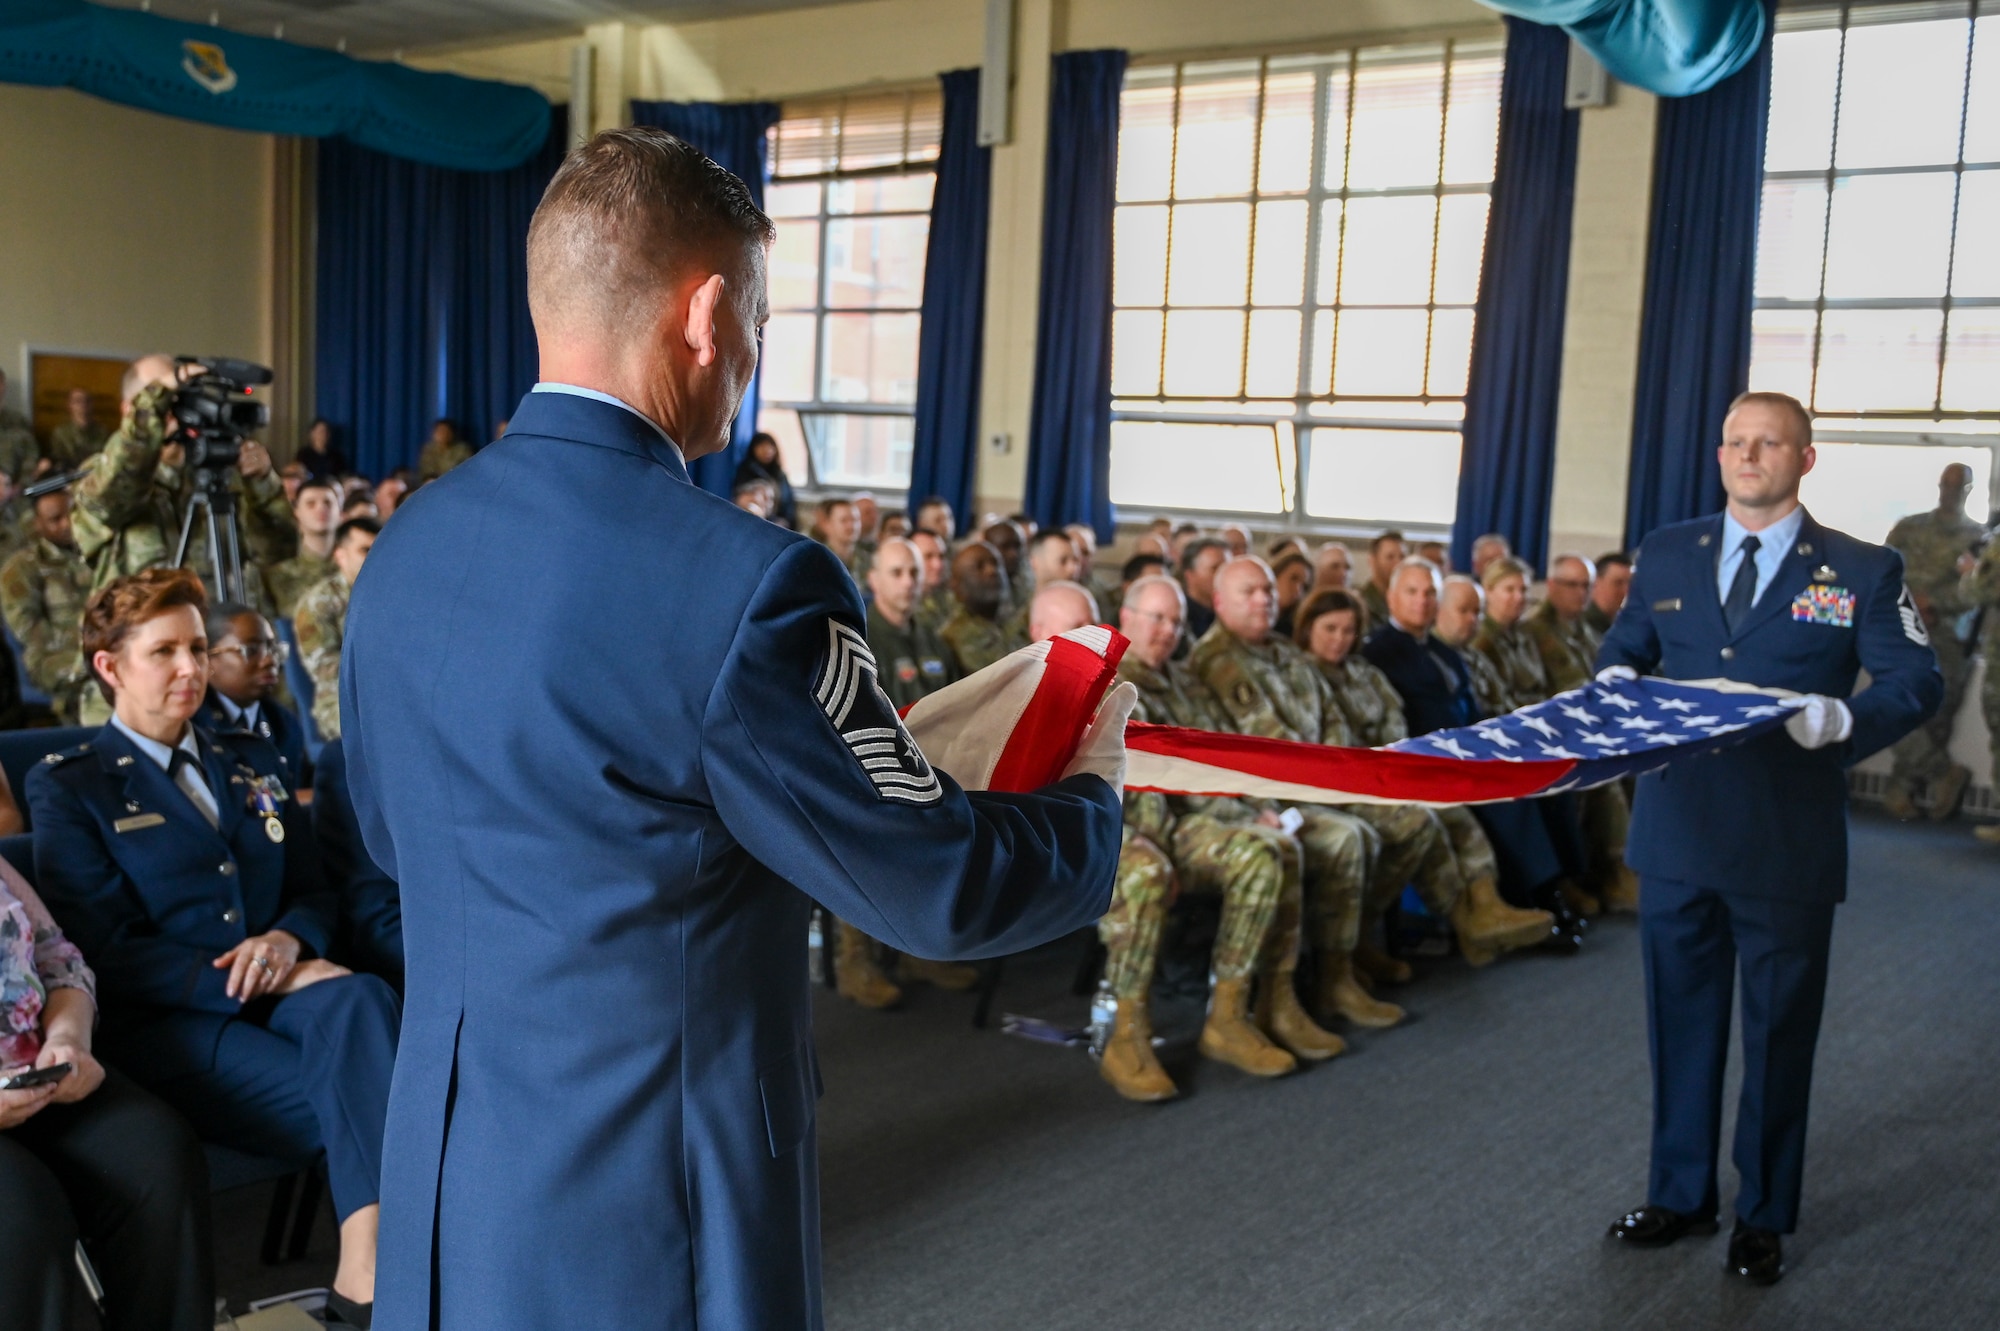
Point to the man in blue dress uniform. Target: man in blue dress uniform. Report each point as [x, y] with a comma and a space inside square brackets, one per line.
[1743, 855]
[608, 732]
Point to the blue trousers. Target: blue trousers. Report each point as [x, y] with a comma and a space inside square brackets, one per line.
[307, 1073]
[1695, 940]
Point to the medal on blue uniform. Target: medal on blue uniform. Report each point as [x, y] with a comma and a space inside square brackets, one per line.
[264, 795]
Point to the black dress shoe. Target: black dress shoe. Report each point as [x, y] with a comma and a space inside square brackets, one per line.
[1655, 1227]
[1756, 1255]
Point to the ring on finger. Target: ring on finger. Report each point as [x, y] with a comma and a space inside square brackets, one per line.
[265, 962]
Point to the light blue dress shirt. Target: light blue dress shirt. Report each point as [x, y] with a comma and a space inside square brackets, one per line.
[191, 781]
[593, 394]
[1774, 543]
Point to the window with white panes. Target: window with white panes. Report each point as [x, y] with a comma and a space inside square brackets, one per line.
[850, 193]
[1297, 249]
[1878, 251]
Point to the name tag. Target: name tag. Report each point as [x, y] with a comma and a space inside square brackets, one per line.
[1671, 603]
[1824, 604]
[138, 821]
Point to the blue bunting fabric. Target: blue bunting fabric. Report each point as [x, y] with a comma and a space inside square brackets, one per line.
[1671, 47]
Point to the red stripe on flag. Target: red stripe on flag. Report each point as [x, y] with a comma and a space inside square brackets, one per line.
[1044, 740]
[1378, 772]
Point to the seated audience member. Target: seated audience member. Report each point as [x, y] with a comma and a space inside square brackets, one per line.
[1486, 549]
[1237, 538]
[42, 590]
[1145, 564]
[1436, 554]
[233, 1015]
[1178, 543]
[753, 497]
[1385, 555]
[1051, 559]
[1026, 524]
[1156, 545]
[895, 527]
[979, 586]
[1607, 595]
[1085, 540]
[936, 605]
[443, 451]
[761, 462]
[89, 1156]
[78, 436]
[320, 620]
[359, 502]
[1009, 540]
[292, 475]
[868, 513]
[1283, 546]
[370, 934]
[1332, 566]
[934, 515]
[1535, 841]
[1331, 625]
[1058, 608]
[390, 494]
[1504, 640]
[838, 527]
[320, 455]
[1231, 848]
[1263, 685]
[1200, 558]
[1294, 574]
[316, 508]
[244, 660]
[1461, 608]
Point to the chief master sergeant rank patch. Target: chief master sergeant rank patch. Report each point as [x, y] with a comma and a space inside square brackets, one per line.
[852, 699]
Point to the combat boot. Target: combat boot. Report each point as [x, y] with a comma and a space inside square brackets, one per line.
[857, 976]
[1280, 1016]
[1896, 799]
[951, 975]
[1228, 1037]
[1128, 1061]
[1578, 900]
[1946, 792]
[1483, 920]
[1372, 963]
[1621, 890]
[1339, 994]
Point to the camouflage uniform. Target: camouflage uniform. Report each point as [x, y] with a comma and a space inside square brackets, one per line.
[1489, 688]
[127, 514]
[42, 591]
[1374, 712]
[976, 641]
[293, 578]
[1214, 846]
[1519, 661]
[18, 450]
[1376, 601]
[1930, 546]
[1981, 587]
[1569, 660]
[436, 459]
[320, 622]
[1599, 624]
[70, 443]
[910, 661]
[937, 608]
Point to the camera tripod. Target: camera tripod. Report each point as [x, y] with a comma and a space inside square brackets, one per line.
[215, 507]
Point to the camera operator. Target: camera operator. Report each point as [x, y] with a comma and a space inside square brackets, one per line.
[132, 496]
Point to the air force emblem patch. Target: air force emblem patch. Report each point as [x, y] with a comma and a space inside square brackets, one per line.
[848, 693]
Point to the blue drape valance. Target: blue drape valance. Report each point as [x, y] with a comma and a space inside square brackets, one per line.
[1507, 466]
[197, 72]
[1069, 437]
[422, 306]
[1694, 334]
[945, 457]
[732, 133]
[1672, 47]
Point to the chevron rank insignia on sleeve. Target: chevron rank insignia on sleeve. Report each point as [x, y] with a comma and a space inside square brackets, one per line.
[1913, 623]
[848, 693]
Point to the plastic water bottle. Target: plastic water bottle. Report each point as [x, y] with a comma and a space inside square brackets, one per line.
[1103, 1014]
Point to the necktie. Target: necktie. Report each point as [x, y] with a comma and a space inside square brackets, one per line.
[1743, 589]
[187, 774]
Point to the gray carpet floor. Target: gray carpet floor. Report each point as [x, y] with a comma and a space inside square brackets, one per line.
[1458, 1171]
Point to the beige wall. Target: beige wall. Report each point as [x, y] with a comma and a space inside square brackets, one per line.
[127, 232]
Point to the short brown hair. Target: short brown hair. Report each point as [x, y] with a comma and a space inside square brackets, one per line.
[1784, 402]
[623, 210]
[118, 608]
[1332, 601]
[1506, 566]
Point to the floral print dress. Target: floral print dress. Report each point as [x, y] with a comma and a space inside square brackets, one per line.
[34, 959]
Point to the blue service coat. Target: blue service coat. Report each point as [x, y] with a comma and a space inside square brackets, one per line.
[152, 894]
[278, 724]
[1769, 818]
[608, 732]
[371, 905]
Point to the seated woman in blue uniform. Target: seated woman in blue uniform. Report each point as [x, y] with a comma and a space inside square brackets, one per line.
[177, 860]
[244, 658]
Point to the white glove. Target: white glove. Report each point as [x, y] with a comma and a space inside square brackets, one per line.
[1820, 722]
[1102, 750]
[1616, 673]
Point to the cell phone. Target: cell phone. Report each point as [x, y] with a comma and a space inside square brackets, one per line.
[1290, 821]
[27, 1081]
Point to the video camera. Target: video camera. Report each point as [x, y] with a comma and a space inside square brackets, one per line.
[212, 412]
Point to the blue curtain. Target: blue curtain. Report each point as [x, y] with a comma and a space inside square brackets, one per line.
[422, 304]
[1694, 335]
[732, 133]
[1507, 465]
[944, 459]
[1069, 435]
[1670, 47]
